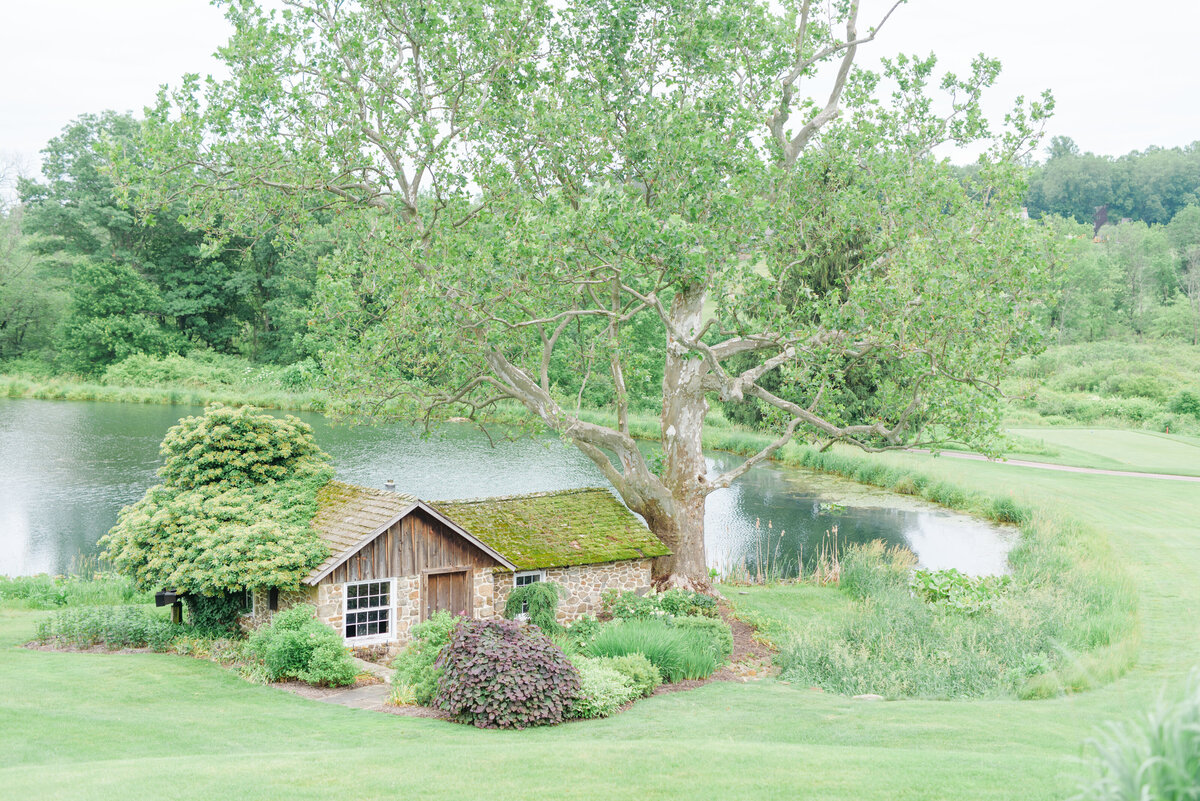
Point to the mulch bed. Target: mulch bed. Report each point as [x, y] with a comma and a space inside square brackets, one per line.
[415, 711]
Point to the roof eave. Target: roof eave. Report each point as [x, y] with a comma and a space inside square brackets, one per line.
[313, 579]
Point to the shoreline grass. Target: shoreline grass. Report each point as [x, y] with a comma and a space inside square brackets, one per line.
[74, 389]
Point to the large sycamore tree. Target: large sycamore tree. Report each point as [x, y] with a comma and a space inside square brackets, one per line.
[517, 184]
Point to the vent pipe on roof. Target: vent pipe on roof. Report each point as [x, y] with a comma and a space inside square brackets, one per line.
[389, 485]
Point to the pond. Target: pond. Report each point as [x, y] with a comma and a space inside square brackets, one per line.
[67, 467]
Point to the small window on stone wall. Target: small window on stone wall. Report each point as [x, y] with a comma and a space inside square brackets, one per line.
[528, 577]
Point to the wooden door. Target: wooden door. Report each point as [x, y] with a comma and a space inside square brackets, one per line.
[450, 591]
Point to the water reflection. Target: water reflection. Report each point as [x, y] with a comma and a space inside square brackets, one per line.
[66, 468]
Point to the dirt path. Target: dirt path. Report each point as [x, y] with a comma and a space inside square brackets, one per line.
[975, 457]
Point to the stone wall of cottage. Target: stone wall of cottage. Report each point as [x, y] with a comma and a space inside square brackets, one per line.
[262, 612]
[584, 584]
[330, 598]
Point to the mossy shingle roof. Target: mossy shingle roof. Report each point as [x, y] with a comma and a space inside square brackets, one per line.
[347, 514]
[556, 529]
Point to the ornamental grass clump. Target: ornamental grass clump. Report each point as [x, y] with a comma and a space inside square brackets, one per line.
[499, 674]
[678, 653]
[717, 631]
[1154, 756]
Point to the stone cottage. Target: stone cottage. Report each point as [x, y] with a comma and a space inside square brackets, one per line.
[395, 560]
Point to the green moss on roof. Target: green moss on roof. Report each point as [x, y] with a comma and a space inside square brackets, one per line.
[556, 529]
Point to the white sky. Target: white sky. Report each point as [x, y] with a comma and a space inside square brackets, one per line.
[1124, 75]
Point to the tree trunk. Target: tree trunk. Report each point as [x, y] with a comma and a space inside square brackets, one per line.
[684, 469]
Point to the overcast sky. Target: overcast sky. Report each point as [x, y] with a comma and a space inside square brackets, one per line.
[1124, 75]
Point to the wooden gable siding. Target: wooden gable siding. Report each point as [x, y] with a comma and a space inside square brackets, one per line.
[414, 544]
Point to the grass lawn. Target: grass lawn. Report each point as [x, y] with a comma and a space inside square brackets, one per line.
[155, 727]
[1112, 449]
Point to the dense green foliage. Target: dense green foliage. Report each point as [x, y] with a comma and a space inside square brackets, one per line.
[111, 627]
[1150, 186]
[1154, 756]
[112, 285]
[958, 591]
[675, 601]
[602, 688]
[297, 645]
[234, 509]
[640, 671]
[215, 615]
[498, 674]
[416, 666]
[1118, 384]
[539, 601]
[678, 653]
[52, 592]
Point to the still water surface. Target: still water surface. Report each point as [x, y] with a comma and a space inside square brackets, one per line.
[67, 467]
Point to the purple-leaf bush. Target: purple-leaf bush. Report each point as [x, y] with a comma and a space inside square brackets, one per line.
[500, 674]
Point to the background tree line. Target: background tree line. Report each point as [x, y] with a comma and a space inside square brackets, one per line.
[85, 285]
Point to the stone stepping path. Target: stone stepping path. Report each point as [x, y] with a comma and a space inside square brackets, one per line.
[371, 697]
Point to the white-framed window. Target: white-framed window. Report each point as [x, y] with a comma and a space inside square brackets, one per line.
[528, 577]
[368, 614]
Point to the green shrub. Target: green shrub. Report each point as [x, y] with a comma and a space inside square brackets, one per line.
[631, 606]
[580, 632]
[329, 666]
[416, 666]
[717, 632]
[1156, 756]
[1187, 403]
[687, 603]
[294, 617]
[109, 626]
[288, 653]
[602, 689]
[289, 644]
[640, 671]
[677, 653]
[500, 674]
[539, 601]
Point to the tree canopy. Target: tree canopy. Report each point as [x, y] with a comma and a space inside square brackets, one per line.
[234, 510]
[644, 189]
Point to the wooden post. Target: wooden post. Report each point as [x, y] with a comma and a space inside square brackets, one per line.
[177, 612]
